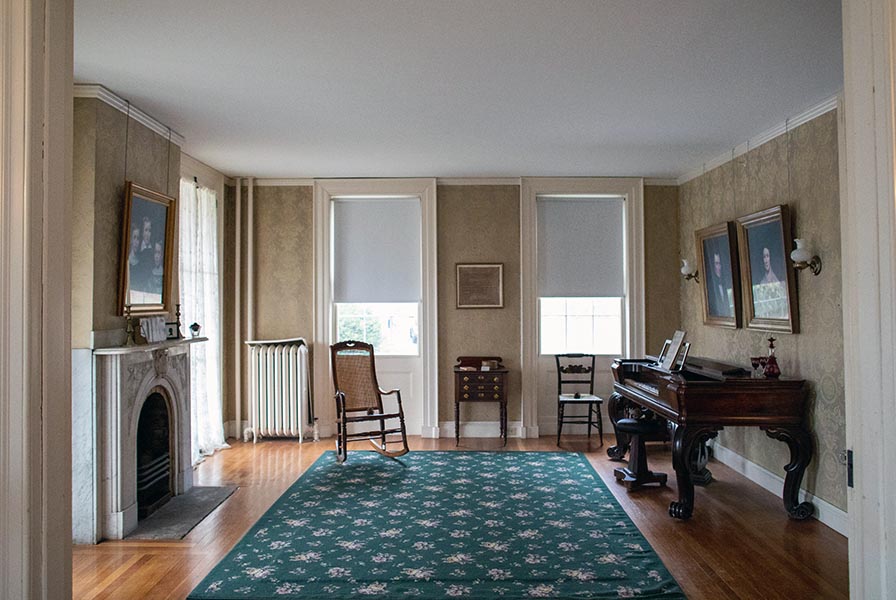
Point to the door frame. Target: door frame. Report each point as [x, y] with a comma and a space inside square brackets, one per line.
[868, 238]
[630, 188]
[324, 192]
[36, 65]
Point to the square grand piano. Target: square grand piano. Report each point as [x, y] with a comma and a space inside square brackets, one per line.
[701, 399]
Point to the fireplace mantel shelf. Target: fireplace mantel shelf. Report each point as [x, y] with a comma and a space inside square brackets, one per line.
[149, 347]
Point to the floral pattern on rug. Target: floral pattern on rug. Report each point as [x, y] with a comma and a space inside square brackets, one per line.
[444, 525]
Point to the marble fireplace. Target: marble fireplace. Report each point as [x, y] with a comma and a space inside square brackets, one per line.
[105, 434]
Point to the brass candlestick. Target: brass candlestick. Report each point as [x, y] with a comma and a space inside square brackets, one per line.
[129, 326]
[177, 319]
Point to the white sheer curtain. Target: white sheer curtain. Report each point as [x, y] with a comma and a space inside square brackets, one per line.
[199, 294]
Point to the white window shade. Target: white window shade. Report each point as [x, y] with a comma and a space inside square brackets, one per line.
[377, 250]
[581, 244]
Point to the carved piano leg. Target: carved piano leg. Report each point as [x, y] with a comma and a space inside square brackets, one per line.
[616, 405]
[700, 475]
[683, 444]
[800, 443]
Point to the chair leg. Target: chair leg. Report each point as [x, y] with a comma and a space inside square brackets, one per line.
[589, 419]
[341, 449]
[559, 422]
[600, 424]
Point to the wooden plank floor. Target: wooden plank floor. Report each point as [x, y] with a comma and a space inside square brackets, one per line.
[739, 544]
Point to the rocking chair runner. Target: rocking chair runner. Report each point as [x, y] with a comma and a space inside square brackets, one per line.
[359, 400]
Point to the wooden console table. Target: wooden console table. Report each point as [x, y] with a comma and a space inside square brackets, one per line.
[473, 384]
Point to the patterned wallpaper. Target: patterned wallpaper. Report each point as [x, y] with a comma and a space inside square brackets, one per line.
[284, 277]
[284, 262]
[121, 152]
[799, 168]
[478, 224]
[661, 266]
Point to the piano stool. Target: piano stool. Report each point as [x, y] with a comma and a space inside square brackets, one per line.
[637, 474]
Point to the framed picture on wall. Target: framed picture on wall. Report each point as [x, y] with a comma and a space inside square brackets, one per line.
[480, 285]
[717, 253]
[146, 251]
[767, 276]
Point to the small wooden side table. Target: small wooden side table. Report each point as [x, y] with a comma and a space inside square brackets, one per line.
[473, 384]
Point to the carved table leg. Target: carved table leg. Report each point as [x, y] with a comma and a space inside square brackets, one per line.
[683, 443]
[616, 405]
[800, 443]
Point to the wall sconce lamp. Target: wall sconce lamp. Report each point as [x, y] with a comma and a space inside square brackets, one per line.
[689, 271]
[803, 258]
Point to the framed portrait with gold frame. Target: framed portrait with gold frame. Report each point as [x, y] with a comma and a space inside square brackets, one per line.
[717, 255]
[148, 231]
[768, 280]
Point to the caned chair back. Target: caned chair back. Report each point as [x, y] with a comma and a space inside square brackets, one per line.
[354, 374]
[573, 371]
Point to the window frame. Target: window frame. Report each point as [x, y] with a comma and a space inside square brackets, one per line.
[622, 327]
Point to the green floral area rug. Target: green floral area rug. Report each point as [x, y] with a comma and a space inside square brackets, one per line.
[444, 525]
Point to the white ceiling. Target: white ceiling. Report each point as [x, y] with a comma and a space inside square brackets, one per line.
[462, 88]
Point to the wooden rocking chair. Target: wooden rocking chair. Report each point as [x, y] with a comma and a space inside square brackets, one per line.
[359, 400]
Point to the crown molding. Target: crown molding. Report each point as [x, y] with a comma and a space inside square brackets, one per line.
[766, 136]
[660, 181]
[207, 175]
[284, 182]
[99, 92]
[477, 181]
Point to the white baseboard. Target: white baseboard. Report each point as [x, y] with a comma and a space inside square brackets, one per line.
[480, 429]
[548, 426]
[835, 518]
[430, 432]
[529, 432]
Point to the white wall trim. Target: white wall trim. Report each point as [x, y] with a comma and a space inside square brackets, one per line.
[805, 116]
[36, 125]
[868, 238]
[825, 512]
[285, 182]
[481, 429]
[324, 191]
[237, 307]
[632, 189]
[104, 94]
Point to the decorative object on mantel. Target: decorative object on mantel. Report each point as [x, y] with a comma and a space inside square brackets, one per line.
[129, 326]
[772, 371]
[194, 329]
[803, 258]
[768, 278]
[717, 253]
[146, 251]
[153, 329]
[177, 320]
[689, 271]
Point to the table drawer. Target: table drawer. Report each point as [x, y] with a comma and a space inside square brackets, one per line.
[492, 396]
[482, 378]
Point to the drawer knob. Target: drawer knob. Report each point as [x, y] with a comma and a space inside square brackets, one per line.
[496, 378]
[466, 387]
[466, 395]
[497, 387]
[466, 378]
[497, 396]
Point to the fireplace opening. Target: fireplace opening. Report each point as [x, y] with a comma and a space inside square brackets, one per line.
[153, 456]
